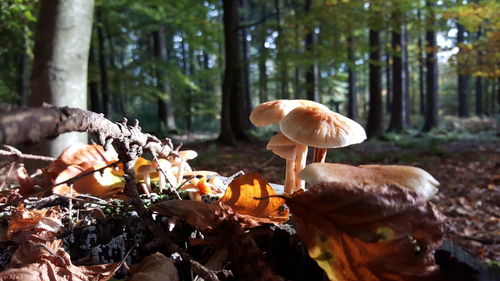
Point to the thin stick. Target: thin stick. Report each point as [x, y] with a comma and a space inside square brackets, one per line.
[17, 154]
[79, 176]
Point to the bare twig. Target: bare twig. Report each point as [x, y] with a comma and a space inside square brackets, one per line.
[16, 154]
[84, 174]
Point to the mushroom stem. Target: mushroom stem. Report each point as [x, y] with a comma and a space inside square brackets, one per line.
[300, 163]
[319, 155]
[180, 173]
[289, 177]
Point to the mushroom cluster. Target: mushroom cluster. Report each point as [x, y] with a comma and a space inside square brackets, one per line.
[304, 123]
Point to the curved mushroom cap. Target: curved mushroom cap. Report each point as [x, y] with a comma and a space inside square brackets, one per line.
[407, 177]
[271, 112]
[317, 127]
[188, 154]
[282, 146]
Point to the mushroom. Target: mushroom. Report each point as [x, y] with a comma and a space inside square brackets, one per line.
[406, 177]
[163, 166]
[144, 171]
[321, 128]
[286, 149]
[272, 112]
[180, 162]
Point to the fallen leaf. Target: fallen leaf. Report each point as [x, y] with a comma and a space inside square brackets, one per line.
[359, 232]
[39, 258]
[198, 214]
[155, 267]
[24, 220]
[241, 196]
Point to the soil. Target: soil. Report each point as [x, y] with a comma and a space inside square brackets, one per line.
[468, 171]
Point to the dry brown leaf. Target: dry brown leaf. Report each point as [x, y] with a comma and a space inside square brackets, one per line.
[368, 232]
[198, 214]
[24, 220]
[241, 194]
[155, 267]
[40, 257]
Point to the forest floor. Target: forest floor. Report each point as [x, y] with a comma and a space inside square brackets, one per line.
[468, 171]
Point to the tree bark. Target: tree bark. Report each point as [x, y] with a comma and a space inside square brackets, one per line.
[479, 86]
[398, 76]
[59, 77]
[103, 67]
[311, 74]
[421, 86]
[24, 74]
[232, 102]
[352, 100]
[462, 79]
[388, 78]
[375, 126]
[95, 98]
[263, 89]
[165, 109]
[431, 114]
[246, 63]
[406, 75]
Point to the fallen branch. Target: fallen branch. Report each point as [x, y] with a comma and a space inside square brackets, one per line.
[16, 154]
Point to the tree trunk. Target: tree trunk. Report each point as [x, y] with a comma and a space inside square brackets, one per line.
[352, 104]
[431, 114]
[463, 79]
[421, 86]
[398, 78]
[165, 109]
[479, 86]
[24, 74]
[103, 67]
[406, 75]
[375, 126]
[311, 74]
[388, 79]
[246, 65]
[263, 89]
[59, 77]
[95, 98]
[232, 101]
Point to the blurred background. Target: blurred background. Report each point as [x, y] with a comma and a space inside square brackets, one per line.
[394, 66]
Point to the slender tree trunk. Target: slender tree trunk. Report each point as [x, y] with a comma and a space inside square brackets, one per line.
[246, 63]
[231, 123]
[375, 126]
[59, 77]
[166, 116]
[103, 67]
[311, 74]
[479, 96]
[262, 35]
[463, 79]
[281, 60]
[398, 103]
[388, 80]
[24, 74]
[431, 115]
[421, 86]
[406, 75]
[352, 100]
[95, 98]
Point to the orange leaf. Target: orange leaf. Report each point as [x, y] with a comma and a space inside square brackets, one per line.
[23, 220]
[243, 190]
[368, 232]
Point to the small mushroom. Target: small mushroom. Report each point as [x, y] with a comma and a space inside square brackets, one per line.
[180, 162]
[321, 128]
[406, 177]
[286, 149]
[144, 171]
[164, 168]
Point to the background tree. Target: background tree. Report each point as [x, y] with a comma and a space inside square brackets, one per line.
[62, 43]
[431, 113]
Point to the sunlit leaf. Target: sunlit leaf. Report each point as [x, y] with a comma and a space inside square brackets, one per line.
[368, 232]
[243, 195]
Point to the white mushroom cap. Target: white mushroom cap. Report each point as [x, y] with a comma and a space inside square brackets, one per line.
[322, 128]
[282, 146]
[406, 177]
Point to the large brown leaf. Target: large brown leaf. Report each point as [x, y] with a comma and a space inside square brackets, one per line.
[241, 195]
[360, 232]
[155, 267]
